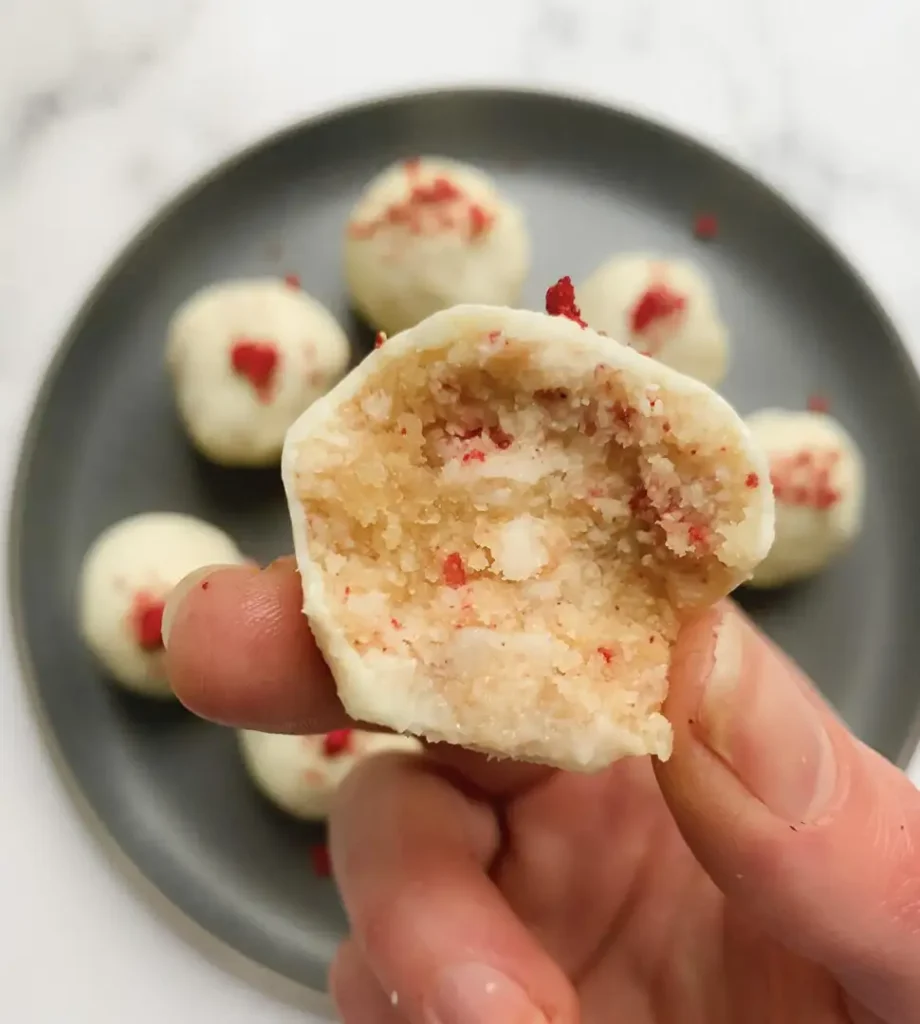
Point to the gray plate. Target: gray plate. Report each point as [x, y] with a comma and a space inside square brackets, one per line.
[105, 442]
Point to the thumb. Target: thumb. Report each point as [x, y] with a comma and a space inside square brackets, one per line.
[813, 834]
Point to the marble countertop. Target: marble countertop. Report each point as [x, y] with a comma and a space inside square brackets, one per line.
[107, 108]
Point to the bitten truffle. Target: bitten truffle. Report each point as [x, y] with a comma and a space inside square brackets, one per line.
[501, 518]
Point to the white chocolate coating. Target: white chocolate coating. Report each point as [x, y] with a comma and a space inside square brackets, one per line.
[488, 650]
[435, 256]
[296, 774]
[230, 419]
[693, 340]
[819, 486]
[144, 555]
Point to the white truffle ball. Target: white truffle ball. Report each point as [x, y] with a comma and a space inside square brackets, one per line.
[819, 483]
[126, 576]
[663, 308]
[431, 233]
[300, 774]
[246, 358]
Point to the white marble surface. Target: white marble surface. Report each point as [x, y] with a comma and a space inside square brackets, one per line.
[107, 107]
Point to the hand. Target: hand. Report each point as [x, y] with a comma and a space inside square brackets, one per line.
[769, 872]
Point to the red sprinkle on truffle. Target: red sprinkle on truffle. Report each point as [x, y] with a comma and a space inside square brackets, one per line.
[380, 339]
[657, 303]
[147, 621]
[818, 403]
[706, 226]
[258, 362]
[752, 480]
[606, 653]
[336, 742]
[474, 456]
[560, 301]
[804, 479]
[321, 861]
[499, 438]
[292, 280]
[698, 535]
[454, 570]
[479, 220]
[429, 207]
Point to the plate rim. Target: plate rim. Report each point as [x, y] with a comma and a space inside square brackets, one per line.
[215, 949]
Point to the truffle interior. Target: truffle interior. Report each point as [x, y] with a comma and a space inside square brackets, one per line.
[517, 537]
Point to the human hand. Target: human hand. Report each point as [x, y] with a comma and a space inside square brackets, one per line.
[769, 872]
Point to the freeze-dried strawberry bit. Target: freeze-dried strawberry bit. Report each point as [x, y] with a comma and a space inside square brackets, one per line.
[560, 301]
[380, 339]
[818, 403]
[292, 281]
[474, 456]
[698, 535]
[428, 208]
[147, 621]
[752, 480]
[395, 623]
[257, 361]
[656, 304]
[803, 479]
[480, 221]
[499, 438]
[320, 860]
[441, 190]
[453, 570]
[606, 653]
[336, 742]
[624, 414]
[706, 226]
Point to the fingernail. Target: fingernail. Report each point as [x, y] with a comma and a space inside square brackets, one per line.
[478, 994]
[756, 716]
[178, 594]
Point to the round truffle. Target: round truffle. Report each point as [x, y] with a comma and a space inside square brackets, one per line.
[500, 520]
[818, 483]
[662, 308]
[300, 774]
[246, 358]
[430, 233]
[127, 575]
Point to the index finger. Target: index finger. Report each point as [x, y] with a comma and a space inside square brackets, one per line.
[240, 651]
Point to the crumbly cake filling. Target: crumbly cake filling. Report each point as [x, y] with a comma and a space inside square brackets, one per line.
[516, 538]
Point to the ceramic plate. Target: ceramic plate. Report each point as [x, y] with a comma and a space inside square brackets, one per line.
[105, 442]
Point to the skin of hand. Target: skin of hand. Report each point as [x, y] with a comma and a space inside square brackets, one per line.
[768, 872]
